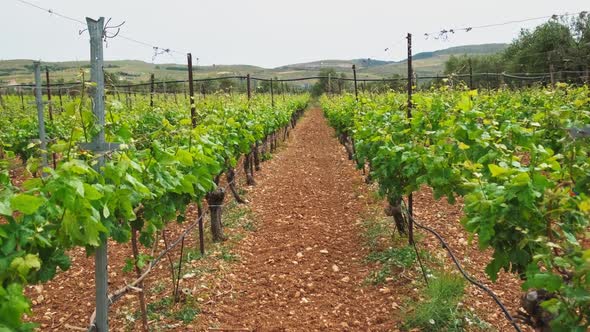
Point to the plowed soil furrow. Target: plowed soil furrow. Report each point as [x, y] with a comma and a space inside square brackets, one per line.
[303, 269]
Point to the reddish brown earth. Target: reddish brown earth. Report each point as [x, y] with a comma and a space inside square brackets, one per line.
[445, 219]
[302, 269]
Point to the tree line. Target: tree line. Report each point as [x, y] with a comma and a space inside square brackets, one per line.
[560, 47]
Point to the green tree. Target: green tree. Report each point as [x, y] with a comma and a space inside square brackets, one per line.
[560, 45]
[480, 64]
[547, 46]
[325, 84]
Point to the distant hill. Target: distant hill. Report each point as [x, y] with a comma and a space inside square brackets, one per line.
[316, 65]
[467, 49]
[425, 63]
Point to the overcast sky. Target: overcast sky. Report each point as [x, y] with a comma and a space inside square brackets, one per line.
[266, 33]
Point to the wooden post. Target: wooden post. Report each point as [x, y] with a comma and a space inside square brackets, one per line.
[272, 94]
[152, 89]
[129, 97]
[61, 103]
[410, 106]
[22, 99]
[201, 228]
[410, 76]
[49, 106]
[248, 86]
[50, 109]
[191, 89]
[552, 74]
[356, 91]
[470, 75]
[191, 92]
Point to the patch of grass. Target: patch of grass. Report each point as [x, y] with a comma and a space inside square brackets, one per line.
[379, 276]
[375, 195]
[165, 309]
[238, 237]
[403, 257]
[194, 254]
[227, 255]
[467, 320]
[249, 226]
[236, 215]
[392, 259]
[265, 156]
[160, 308]
[391, 252]
[158, 288]
[186, 314]
[440, 308]
[375, 232]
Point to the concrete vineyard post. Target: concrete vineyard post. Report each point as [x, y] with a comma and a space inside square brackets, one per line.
[96, 29]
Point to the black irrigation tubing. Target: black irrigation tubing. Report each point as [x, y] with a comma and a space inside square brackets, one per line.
[467, 276]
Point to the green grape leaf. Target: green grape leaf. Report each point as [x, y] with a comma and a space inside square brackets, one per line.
[27, 204]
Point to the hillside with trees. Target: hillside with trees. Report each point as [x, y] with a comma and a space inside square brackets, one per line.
[558, 48]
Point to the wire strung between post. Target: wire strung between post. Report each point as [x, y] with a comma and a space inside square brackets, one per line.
[519, 76]
[106, 36]
[445, 32]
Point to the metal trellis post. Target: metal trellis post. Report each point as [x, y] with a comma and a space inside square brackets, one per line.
[152, 89]
[410, 105]
[249, 86]
[40, 112]
[191, 89]
[356, 91]
[272, 93]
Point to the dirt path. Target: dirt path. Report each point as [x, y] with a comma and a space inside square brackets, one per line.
[303, 268]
